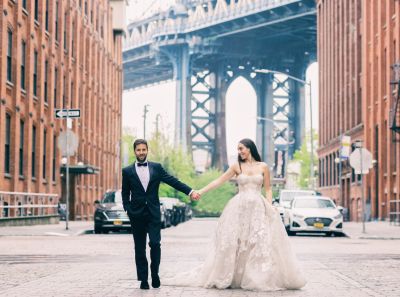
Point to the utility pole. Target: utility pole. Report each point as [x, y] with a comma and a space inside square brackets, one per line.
[145, 111]
[311, 141]
[158, 116]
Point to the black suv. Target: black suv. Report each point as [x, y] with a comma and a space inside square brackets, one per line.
[110, 215]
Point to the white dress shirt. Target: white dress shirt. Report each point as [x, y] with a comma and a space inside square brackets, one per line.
[144, 174]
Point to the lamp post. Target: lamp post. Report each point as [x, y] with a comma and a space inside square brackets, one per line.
[308, 83]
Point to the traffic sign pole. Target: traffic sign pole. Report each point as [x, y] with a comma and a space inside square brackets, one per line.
[362, 189]
[361, 167]
[67, 114]
[67, 179]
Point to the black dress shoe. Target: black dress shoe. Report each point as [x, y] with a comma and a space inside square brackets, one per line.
[155, 283]
[144, 285]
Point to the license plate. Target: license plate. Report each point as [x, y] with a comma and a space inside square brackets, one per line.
[319, 225]
[118, 222]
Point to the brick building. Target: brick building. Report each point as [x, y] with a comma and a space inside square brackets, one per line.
[358, 42]
[60, 54]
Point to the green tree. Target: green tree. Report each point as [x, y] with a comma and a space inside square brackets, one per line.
[180, 164]
[303, 157]
[213, 202]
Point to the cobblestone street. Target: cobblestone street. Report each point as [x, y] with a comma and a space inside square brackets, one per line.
[103, 265]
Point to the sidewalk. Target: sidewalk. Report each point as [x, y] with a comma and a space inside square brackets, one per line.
[374, 230]
[75, 228]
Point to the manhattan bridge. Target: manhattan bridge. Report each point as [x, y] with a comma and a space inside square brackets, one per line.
[205, 45]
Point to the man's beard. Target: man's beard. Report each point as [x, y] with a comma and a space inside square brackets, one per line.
[141, 159]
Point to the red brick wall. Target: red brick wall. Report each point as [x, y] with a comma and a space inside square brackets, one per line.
[357, 42]
[92, 65]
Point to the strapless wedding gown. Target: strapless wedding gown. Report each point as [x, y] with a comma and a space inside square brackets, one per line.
[251, 249]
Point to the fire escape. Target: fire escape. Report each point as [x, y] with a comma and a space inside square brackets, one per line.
[394, 121]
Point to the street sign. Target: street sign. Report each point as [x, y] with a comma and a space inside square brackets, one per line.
[68, 144]
[361, 161]
[67, 113]
[345, 147]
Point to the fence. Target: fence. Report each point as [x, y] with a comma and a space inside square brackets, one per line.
[27, 205]
[394, 212]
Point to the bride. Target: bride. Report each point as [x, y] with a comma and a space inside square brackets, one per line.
[251, 249]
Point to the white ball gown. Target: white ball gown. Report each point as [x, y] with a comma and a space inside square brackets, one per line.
[251, 249]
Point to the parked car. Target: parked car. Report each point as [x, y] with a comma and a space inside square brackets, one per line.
[177, 210]
[315, 214]
[165, 216]
[110, 215]
[285, 199]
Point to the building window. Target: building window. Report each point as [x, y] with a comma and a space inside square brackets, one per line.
[35, 66]
[55, 86]
[36, 10]
[21, 148]
[47, 16]
[46, 68]
[54, 158]
[65, 31]
[44, 154]
[24, 4]
[72, 40]
[64, 93]
[9, 56]
[56, 22]
[7, 145]
[33, 150]
[23, 61]
[72, 92]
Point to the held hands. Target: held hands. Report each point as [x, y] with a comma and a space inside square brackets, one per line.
[195, 195]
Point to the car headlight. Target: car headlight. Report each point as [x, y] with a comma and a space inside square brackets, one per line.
[338, 216]
[298, 216]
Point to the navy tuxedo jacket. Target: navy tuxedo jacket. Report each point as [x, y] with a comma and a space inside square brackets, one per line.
[135, 198]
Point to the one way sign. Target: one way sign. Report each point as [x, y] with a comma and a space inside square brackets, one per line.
[70, 113]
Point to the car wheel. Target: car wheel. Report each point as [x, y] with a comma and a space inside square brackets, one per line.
[291, 233]
[97, 229]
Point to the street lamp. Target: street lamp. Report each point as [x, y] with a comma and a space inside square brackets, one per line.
[308, 83]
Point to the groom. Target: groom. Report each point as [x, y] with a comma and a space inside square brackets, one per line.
[140, 183]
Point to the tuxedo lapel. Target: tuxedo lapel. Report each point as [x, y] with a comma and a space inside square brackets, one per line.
[136, 176]
[151, 172]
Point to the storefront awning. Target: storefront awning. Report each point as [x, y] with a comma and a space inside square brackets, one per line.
[80, 169]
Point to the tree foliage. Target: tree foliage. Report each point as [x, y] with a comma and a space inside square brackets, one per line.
[180, 164]
[303, 157]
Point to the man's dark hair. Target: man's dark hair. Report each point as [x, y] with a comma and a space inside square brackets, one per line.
[139, 141]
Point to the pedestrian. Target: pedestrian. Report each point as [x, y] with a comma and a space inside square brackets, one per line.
[140, 184]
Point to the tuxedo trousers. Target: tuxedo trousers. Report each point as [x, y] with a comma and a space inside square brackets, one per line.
[141, 226]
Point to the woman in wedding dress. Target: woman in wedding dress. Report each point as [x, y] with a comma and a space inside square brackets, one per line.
[251, 249]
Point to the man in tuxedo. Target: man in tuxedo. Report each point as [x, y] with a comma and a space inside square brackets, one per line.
[140, 184]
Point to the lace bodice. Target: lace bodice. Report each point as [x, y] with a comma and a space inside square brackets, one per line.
[250, 182]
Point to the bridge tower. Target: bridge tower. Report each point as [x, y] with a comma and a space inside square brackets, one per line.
[205, 45]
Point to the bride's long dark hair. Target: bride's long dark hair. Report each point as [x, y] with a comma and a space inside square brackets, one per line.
[253, 151]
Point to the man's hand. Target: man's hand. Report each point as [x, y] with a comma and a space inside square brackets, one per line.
[195, 196]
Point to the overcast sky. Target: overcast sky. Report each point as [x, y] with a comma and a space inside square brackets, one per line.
[241, 100]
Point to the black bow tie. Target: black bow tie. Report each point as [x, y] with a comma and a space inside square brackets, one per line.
[142, 164]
